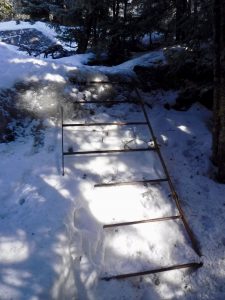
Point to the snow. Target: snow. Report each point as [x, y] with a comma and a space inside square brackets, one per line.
[76, 60]
[18, 66]
[155, 36]
[41, 26]
[52, 241]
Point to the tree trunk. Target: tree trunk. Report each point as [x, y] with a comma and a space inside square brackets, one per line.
[117, 8]
[84, 40]
[125, 11]
[196, 9]
[181, 10]
[114, 9]
[216, 79]
[219, 89]
[95, 26]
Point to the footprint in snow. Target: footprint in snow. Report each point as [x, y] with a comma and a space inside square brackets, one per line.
[84, 220]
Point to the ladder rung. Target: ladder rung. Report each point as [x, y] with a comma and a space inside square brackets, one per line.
[154, 271]
[142, 221]
[108, 151]
[152, 181]
[105, 124]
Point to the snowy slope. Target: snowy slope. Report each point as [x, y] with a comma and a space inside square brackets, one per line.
[19, 67]
[52, 244]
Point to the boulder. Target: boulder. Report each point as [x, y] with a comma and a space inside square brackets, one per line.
[189, 72]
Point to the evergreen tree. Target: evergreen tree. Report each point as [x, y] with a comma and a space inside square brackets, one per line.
[36, 9]
[5, 9]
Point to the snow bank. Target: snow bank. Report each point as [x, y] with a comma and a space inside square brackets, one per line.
[19, 67]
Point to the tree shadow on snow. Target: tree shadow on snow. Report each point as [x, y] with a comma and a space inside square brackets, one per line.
[51, 236]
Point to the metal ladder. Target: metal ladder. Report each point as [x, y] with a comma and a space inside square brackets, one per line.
[167, 178]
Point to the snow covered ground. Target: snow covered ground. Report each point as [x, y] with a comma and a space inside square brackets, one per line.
[52, 242]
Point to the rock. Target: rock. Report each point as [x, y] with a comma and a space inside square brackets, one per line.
[167, 106]
[193, 93]
[206, 96]
[186, 98]
[56, 51]
[191, 72]
[154, 77]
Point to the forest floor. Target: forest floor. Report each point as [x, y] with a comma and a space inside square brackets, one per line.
[52, 242]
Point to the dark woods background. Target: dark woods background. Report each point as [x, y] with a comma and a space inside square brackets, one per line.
[116, 25]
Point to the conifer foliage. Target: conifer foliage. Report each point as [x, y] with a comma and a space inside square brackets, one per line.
[5, 9]
[119, 24]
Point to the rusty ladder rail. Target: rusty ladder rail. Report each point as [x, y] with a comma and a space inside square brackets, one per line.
[192, 265]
